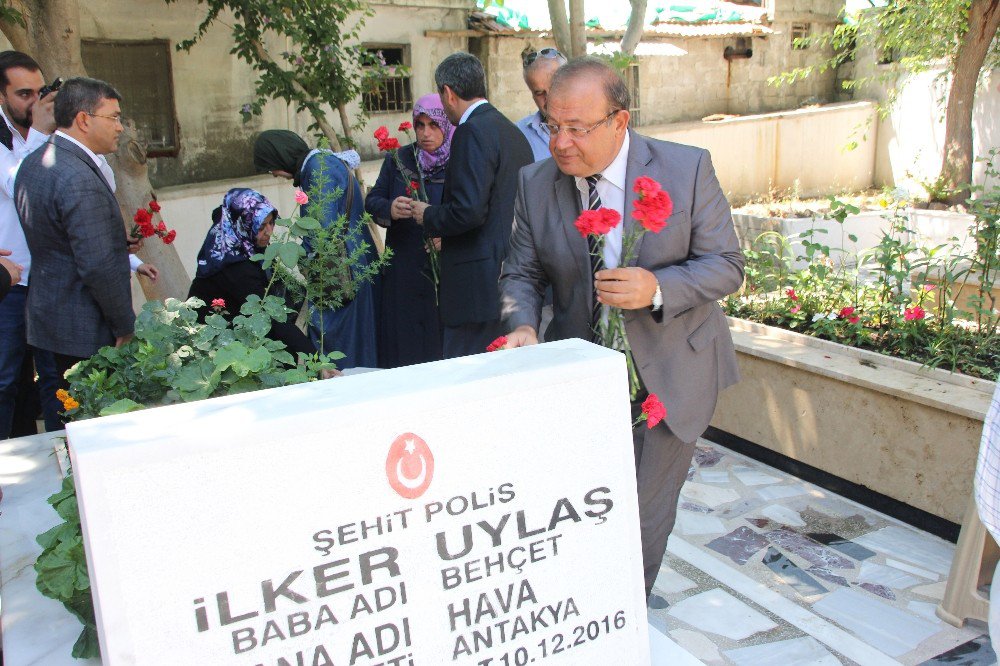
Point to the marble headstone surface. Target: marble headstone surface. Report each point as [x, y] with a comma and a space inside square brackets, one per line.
[425, 512]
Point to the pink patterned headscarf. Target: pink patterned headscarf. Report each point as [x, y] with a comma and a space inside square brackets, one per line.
[435, 161]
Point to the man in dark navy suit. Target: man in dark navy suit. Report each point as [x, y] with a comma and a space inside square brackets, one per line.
[477, 209]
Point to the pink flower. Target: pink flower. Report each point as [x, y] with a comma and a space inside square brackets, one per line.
[301, 197]
[218, 303]
[916, 313]
[795, 308]
[928, 287]
[848, 314]
[791, 295]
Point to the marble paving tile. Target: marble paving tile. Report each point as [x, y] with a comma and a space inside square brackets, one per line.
[910, 546]
[707, 456]
[932, 591]
[845, 546]
[690, 474]
[826, 574]
[697, 644]
[977, 652]
[880, 574]
[692, 506]
[656, 602]
[822, 517]
[924, 609]
[718, 612]
[790, 574]
[739, 545]
[740, 508]
[669, 581]
[763, 523]
[714, 476]
[662, 648]
[878, 590]
[783, 515]
[806, 548]
[804, 651]
[708, 495]
[772, 493]
[908, 568]
[752, 477]
[693, 524]
[892, 631]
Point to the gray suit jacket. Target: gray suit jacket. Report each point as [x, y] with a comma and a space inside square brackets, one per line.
[685, 353]
[80, 298]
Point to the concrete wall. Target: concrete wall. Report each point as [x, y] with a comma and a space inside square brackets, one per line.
[799, 151]
[210, 85]
[911, 136]
[689, 81]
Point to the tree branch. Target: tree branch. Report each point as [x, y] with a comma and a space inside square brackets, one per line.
[636, 22]
[560, 26]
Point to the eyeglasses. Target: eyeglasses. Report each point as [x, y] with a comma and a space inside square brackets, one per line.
[578, 132]
[118, 119]
[550, 52]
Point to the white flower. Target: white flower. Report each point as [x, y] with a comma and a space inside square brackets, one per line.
[818, 316]
[901, 194]
[832, 316]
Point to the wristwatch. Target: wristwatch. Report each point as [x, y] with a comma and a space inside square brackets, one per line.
[657, 303]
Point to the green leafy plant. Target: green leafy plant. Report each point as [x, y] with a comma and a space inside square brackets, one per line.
[884, 299]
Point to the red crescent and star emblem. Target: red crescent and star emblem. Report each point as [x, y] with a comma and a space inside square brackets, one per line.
[409, 465]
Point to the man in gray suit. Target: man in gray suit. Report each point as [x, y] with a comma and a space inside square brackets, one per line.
[80, 299]
[677, 331]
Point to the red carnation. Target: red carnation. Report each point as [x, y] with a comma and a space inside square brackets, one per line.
[153, 206]
[382, 133]
[162, 226]
[405, 125]
[413, 188]
[392, 143]
[142, 217]
[597, 222]
[652, 210]
[645, 186]
[791, 294]
[218, 303]
[169, 238]
[497, 344]
[653, 410]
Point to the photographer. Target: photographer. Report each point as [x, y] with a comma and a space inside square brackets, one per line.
[27, 123]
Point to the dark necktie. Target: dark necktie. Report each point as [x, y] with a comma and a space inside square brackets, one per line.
[596, 257]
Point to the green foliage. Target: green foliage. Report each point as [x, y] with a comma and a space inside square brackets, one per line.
[900, 295]
[325, 63]
[918, 35]
[330, 274]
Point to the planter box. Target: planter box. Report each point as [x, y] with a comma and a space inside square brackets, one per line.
[906, 431]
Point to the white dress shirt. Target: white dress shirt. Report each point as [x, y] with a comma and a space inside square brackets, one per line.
[468, 111]
[611, 188]
[11, 234]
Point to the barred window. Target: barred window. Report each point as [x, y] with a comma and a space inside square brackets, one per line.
[632, 82]
[389, 90]
[141, 72]
[800, 31]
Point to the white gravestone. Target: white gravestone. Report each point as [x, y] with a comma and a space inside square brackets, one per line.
[474, 511]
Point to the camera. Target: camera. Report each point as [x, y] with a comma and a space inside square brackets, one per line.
[50, 88]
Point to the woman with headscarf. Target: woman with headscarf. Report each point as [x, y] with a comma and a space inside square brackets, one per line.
[351, 328]
[241, 227]
[409, 319]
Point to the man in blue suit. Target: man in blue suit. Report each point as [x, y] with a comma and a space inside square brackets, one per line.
[477, 208]
[80, 299]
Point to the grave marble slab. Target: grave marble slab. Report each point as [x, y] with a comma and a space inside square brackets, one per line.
[879, 574]
[719, 612]
[753, 477]
[882, 626]
[783, 515]
[669, 581]
[771, 493]
[694, 524]
[708, 495]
